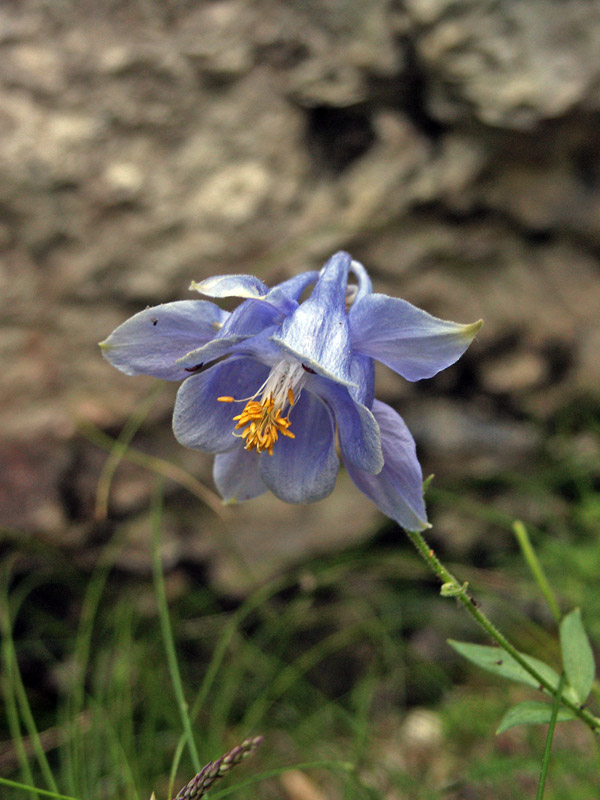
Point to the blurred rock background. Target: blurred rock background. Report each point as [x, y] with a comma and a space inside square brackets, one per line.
[452, 146]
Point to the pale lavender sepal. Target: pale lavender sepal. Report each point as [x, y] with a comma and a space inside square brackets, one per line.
[150, 342]
[408, 340]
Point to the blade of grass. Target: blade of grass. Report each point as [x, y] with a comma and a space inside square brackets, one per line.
[175, 764]
[117, 758]
[254, 602]
[343, 766]
[166, 469]
[159, 466]
[297, 670]
[73, 755]
[29, 721]
[34, 790]
[259, 600]
[15, 694]
[165, 624]
[119, 449]
[536, 568]
[12, 716]
[549, 737]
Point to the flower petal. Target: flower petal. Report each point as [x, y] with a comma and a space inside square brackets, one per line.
[249, 319]
[398, 489]
[203, 422]
[362, 370]
[294, 287]
[150, 342]
[405, 338]
[358, 432]
[303, 470]
[210, 352]
[317, 332]
[237, 475]
[230, 286]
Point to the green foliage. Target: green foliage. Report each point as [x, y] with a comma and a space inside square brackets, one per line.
[578, 659]
[496, 660]
[531, 712]
[314, 663]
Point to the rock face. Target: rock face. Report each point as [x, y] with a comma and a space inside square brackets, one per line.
[453, 146]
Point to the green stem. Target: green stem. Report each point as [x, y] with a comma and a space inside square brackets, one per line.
[453, 588]
[165, 625]
[536, 568]
[549, 737]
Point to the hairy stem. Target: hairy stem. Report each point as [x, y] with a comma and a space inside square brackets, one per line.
[453, 588]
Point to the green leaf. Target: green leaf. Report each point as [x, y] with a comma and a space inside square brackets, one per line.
[577, 655]
[498, 661]
[532, 712]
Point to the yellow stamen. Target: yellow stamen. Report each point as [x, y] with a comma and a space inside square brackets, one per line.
[263, 423]
[226, 399]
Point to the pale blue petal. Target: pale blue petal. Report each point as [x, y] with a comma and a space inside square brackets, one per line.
[252, 317]
[398, 489]
[237, 475]
[362, 370]
[150, 342]
[284, 297]
[405, 338]
[303, 470]
[210, 352]
[279, 300]
[317, 332]
[261, 348]
[358, 432]
[249, 319]
[294, 287]
[230, 286]
[200, 420]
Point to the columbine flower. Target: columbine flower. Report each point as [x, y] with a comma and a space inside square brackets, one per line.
[268, 386]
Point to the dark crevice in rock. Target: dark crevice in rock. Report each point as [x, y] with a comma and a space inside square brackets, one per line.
[406, 93]
[414, 85]
[338, 136]
[560, 358]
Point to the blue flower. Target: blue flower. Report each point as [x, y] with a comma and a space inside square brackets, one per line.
[267, 386]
